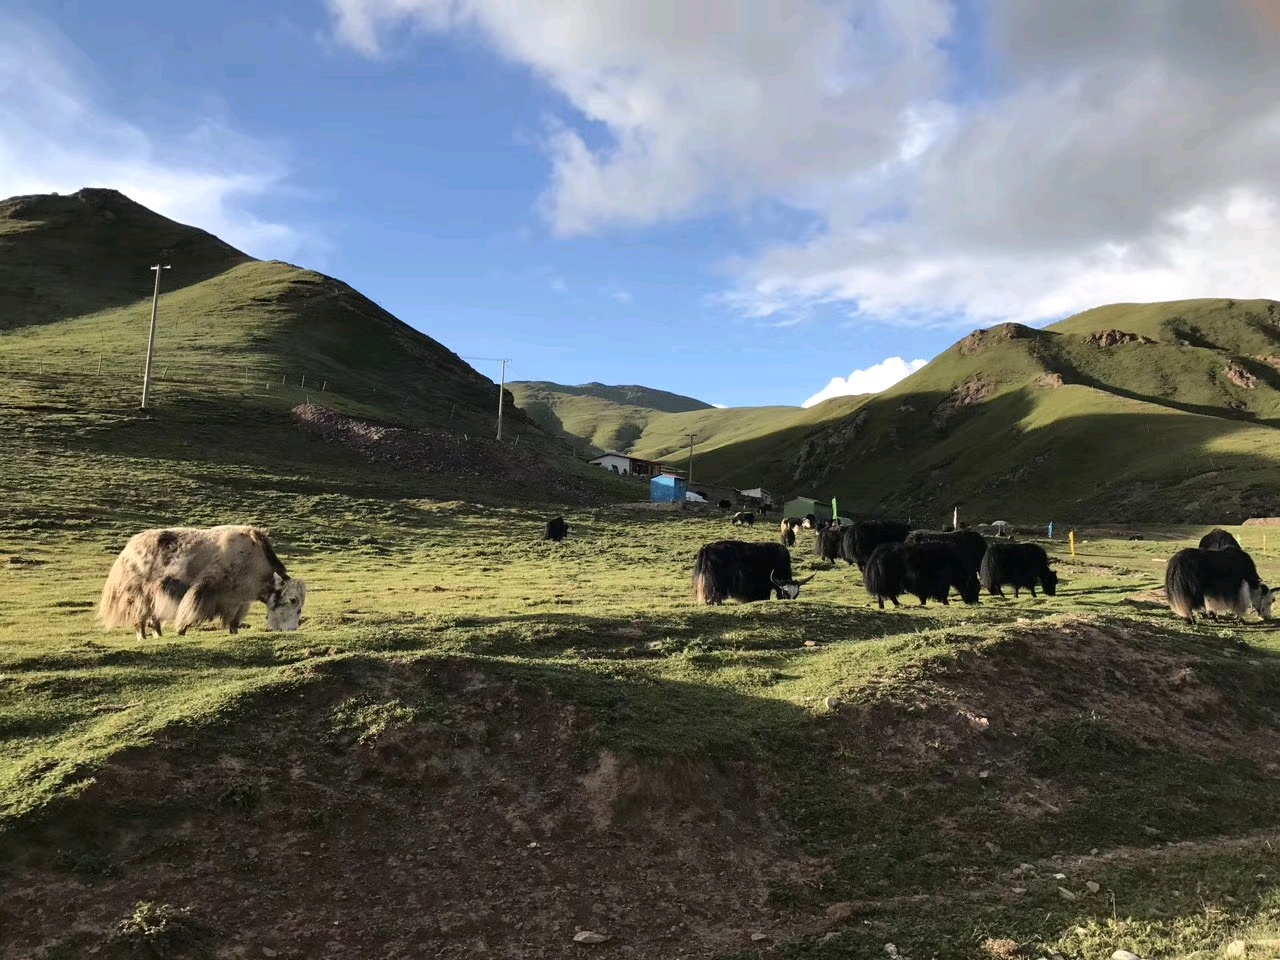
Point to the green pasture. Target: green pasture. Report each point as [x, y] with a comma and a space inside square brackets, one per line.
[605, 621]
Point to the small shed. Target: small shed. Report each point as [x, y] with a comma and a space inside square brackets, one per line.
[802, 506]
[666, 488]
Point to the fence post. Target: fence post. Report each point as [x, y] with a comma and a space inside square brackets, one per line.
[1072, 538]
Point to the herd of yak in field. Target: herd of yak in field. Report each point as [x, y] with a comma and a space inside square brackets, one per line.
[190, 575]
[1216, 577]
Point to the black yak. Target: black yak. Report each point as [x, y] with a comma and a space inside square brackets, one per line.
[809, 521]
[859, 540]
[1213, 581]
[1020, 565]
[725, 504]
[556, 530]
[743, 518]
[746, 572]
[927, 570]
[827, 544]
[1218, 539]
[969, 545]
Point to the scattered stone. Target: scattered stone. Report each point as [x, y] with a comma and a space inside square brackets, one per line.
[983, 774]
[1019, 890]
[1059, 876]
[1150, 831]
[1236, 948]
[268, 952]
[994, 848]
[1124, 955]
[1093, 852]
[589, 936]
[828, 937]
[811, 643]
[1066, 894]
[1093, 887]
[757, 937]
[891, 949]
[832, 702]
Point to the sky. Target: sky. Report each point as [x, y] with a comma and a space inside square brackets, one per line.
[743, 201]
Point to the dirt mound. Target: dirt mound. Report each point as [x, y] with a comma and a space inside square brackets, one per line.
[408, 812]
[444, 453]
[1114, 338]
[1050, 380]
[975, 707]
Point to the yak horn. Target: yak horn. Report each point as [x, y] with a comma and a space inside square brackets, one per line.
[801, 583]
[776, 582]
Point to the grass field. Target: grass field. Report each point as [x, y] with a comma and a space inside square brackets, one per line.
[973, 755]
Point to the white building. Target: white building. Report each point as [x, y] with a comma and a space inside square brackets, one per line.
[627, 466]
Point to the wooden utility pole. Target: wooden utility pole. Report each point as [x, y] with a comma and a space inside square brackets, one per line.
[690, 436]
[502, 390]
[151, 339]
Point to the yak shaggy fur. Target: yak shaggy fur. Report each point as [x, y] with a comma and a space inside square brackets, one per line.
[191, 575]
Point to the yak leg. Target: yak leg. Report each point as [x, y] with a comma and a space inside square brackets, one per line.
[235, 620]
[1032, 588]
[880, 600]
[1015, 593]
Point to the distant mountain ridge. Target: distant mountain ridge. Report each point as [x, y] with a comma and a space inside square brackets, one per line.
[603, 417]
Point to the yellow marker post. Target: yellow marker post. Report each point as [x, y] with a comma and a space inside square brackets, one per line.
[1264, 543]
[1071, 538]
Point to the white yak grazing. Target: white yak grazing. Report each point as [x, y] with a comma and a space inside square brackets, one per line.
[191, 575]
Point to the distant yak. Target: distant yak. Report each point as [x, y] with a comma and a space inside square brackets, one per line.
[556, 530]
[746, 572]
[190, 575]
[743, 518]
[1213, 581]
[927, 569]
[827, 543]
[1218, 539]
[1019, 565]
[786, 534]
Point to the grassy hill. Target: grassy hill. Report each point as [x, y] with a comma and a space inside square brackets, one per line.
[240, 344]
[602, 417]
[1127, 412]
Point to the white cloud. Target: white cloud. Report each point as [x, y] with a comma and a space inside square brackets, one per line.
[1119, 151]
[56, 137]
[873, 379]
[621, 296]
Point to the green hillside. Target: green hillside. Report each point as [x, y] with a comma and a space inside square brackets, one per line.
[240, 343]
[1074, 421]
[597, 417]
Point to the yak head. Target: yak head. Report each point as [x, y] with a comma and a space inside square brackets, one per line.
[788, 589]
[1263, 598]
[1049, 580]
[284, 602]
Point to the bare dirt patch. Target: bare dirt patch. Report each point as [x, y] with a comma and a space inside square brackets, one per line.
[1000, 333]
[1241, 377]
[1114, 338]
[1049, 380]
[969, 393]
[484, 829]
[443, 453]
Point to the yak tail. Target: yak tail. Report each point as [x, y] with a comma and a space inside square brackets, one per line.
[263, 540]
[706, 588]
[700, 592]
[122, 596]
[1183, 584]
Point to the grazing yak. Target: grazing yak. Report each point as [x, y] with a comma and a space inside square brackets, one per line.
[1213, 581]
[1020, 565]
[827, 543]
[859, 540]
[1218, 539]
[926, 569]
[809, 521]
[556, 530]
[725, 504]
[191, 575]
[743, 518]
[746, 572]
[786, 534]
[969, 545]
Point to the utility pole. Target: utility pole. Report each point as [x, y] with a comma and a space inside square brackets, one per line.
[502, 389]
[151, 340]
[691, 436]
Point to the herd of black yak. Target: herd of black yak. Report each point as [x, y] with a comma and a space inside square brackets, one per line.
[1216, 577]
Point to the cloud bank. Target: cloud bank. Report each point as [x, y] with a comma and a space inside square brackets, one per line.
[56, 137]
[1049, 158]
[873, 379]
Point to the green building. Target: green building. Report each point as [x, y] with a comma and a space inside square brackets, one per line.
[802, 506]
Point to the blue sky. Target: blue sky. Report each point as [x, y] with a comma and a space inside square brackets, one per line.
[739, 201]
